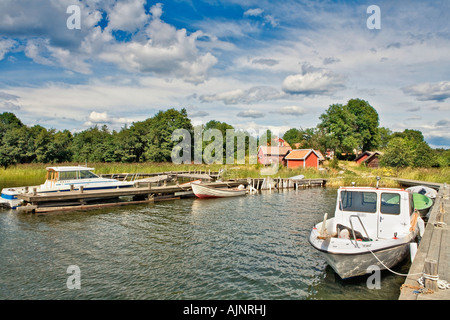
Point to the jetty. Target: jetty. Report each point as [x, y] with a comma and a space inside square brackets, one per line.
[149, 187]
[431, 262]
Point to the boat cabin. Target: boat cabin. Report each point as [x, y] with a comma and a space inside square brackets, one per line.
[57, 174]
[373, 213]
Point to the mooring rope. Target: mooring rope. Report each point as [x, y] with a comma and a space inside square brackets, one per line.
[442, 284]
[399, 274]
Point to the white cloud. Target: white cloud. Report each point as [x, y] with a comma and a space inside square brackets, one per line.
[253, 12]
[438, 91]
[127, 16]
[292, 111]
[5, 46]
[104, 118]
[164, 51]
[319, 82]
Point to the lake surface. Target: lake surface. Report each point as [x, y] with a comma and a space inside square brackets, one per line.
[253, 247]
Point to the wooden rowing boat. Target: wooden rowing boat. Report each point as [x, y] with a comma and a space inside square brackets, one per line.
[209, 192]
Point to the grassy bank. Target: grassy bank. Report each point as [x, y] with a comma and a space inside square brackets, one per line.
[344, 174]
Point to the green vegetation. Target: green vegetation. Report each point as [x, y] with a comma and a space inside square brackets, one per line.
[343, 129]
[337, 173]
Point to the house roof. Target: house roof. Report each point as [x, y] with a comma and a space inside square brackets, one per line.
[275, 151]
[370, 155]
[301, 154]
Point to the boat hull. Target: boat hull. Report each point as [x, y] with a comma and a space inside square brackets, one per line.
[353, 265]
[350, 258]
[204, 192]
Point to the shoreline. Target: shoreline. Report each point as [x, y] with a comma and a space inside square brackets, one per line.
[344, 175]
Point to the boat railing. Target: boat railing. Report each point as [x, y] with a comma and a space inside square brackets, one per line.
[353, 229]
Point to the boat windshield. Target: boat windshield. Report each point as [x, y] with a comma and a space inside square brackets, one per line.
[73, 175]
[359, 201]
[390, 203]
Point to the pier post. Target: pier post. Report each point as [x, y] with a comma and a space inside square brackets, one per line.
[430, 268]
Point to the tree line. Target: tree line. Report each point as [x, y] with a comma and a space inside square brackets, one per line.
[354, 126]
[343, 129]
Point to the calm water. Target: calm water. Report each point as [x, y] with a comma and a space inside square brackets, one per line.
[253, 247]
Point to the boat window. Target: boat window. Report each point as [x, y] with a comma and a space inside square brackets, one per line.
[390, 203]
[85, 174]
[67, 175]
[358, 201]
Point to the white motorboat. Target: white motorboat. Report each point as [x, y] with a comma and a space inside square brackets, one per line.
[63, 178]
[202, 191]
[424, 190]
[371, 226]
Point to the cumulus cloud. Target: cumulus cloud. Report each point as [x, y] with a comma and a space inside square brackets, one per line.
[152, 46]
[103, 118]
[252, 95]
[317, 82]
[162, 49]
[127, 16]
[438, 91]
[250, 114]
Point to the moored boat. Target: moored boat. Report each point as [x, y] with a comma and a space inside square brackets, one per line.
[64, 178]
[426, 191]
[202, 192]
[422, 203]
[371, 227]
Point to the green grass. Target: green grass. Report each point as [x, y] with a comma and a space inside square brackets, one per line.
[345, 174]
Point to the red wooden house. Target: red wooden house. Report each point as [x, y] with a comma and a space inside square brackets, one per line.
[370, 159]
[304, 158]
[268, 155]
[277, 152]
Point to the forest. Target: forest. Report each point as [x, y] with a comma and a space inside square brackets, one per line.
[343, 129]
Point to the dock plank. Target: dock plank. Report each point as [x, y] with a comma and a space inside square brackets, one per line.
[433, 245]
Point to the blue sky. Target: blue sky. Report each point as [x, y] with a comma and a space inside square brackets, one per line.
[252, 64]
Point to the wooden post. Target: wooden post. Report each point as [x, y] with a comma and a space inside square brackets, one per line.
[34, 191]
[149, 185]
[71, 187]
[81, 189]
[430, 268]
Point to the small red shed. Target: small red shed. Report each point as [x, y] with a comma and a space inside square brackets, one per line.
[370, 159]
[304, 158]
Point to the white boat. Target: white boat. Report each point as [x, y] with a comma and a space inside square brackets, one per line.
[63, 178]
[202, 191]
[371, 226]
[424, 190]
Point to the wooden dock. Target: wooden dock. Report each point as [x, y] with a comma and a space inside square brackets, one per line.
[79, 199]
[145, 191]
[433, 254]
